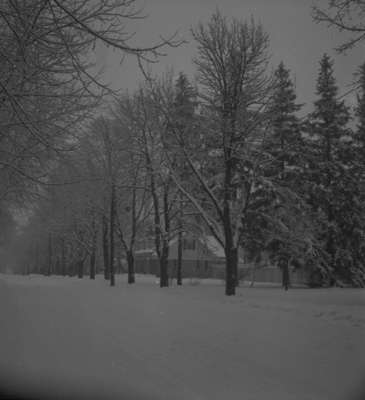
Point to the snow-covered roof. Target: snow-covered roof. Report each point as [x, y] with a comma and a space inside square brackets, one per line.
[213, 245]
[144, 251]
[210, 242]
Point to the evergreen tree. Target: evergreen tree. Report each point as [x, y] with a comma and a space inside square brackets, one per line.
[283, 141]
[331, 186]
[278, 220]
[360, 110]
[356, 241]
[185, 100]
[288, 233]
[330, 115]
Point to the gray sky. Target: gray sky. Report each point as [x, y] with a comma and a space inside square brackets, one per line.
[294, 38]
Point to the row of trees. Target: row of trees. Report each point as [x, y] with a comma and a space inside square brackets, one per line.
[49, 85]
[229, 156]
[49, 89]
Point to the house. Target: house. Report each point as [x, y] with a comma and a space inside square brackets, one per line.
[202, 256]
[202, 248]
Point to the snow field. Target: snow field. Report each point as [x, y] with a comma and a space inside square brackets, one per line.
[83, 339]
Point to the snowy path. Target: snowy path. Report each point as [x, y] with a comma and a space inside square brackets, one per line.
[85, 339]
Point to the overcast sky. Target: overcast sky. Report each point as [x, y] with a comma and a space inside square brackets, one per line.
[294, 38]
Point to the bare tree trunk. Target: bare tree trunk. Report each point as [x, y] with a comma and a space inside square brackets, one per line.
[253, 274]
[164, 257]
[36, 258]
[49, 266]
[80, 268]
[231, 268]
[230, 249]
[111, 235]
[105, 248]
[231, 253]
[92, 262]
[164, 260]
[285, 274]
[72, 268]
[179, 246]
[131, 273]
[63, 257]
[330, 243]
[57, 266]
[93, 251]
[160, 237]
[179, 259]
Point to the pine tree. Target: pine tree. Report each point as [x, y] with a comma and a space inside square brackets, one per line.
[185, 99]
[277, 220]
[330, 115]
[283, 142]
[331, 185]
[282, 145]
[356, 176]
[360, 110]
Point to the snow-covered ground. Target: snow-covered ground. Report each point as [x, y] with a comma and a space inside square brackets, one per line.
[69, 338]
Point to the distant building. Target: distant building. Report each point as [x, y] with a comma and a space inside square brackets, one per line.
[202, 256]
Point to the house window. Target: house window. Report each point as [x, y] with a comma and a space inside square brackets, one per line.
[188, 244]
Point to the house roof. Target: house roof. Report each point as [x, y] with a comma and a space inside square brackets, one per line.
[213, 245]
[209, 241]
[144, 251]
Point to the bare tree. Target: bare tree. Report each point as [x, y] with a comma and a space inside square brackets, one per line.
[133, 195]
[231, 62]
[109, 151]
[223, 156]
[346, 16]
[148, 123]
[48, 83]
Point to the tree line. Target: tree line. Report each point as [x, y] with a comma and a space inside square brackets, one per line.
[230, 155]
